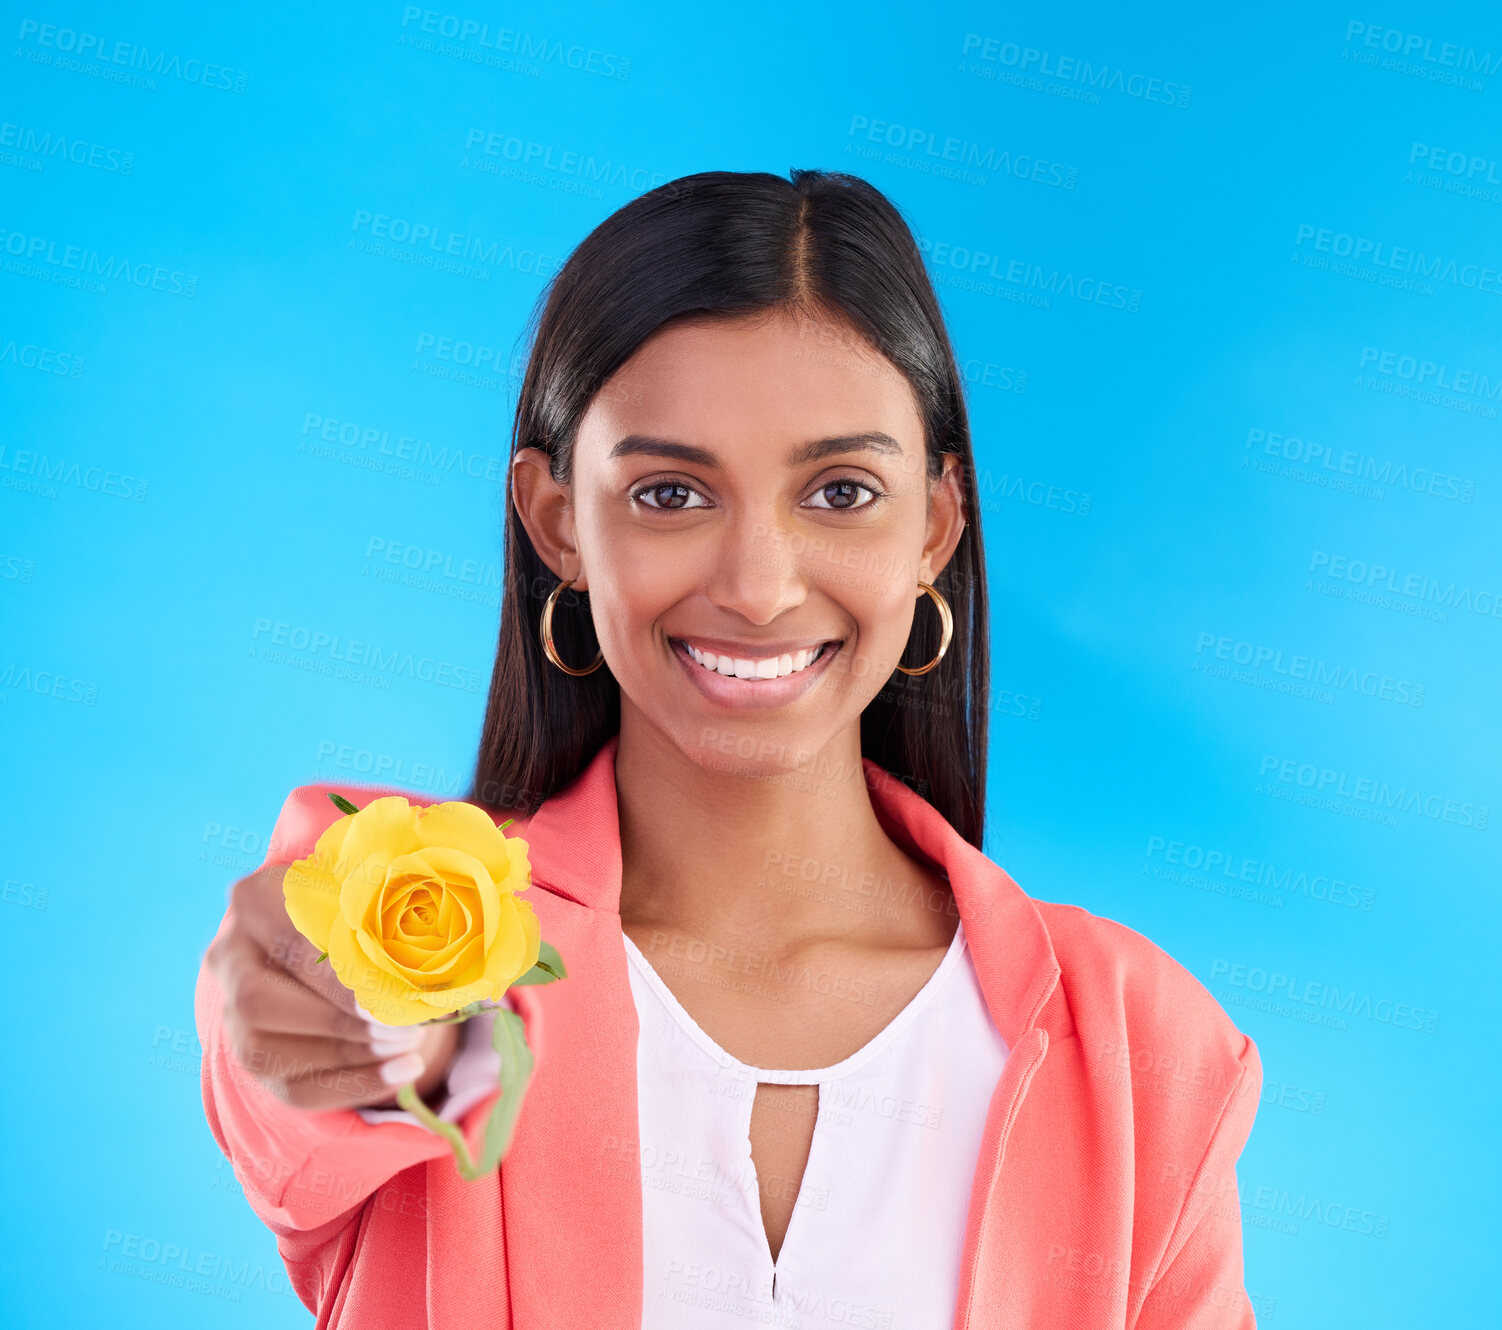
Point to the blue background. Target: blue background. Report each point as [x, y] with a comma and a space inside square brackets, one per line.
[194, 495]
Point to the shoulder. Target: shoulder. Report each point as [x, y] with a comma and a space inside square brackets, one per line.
[1164, 1087]
[308, 812]
[1139, 1011]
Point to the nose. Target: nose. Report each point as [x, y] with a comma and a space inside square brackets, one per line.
[757, 568]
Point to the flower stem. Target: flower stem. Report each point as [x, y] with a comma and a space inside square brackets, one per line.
[409, 1099]
[509, 1038]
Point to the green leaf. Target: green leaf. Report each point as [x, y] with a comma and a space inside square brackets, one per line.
[548, 968]
[501, 826]
[509, 1039]
[343, 804]
[323, 957]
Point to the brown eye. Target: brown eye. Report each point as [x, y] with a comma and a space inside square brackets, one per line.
[841, 495]
[667, 495]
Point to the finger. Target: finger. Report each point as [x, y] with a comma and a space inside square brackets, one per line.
[250, 981]
[279, 1060]
[373, 1083]
[261, 909]
[265, 997]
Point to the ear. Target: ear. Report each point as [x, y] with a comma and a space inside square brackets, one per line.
[946, 520]
[546, 510]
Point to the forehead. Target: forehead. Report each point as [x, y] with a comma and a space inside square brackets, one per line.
[772, 378]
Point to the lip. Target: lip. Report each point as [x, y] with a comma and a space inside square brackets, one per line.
[725, 646]
[750, 694]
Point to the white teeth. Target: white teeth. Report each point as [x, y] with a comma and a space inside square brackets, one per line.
[773, 667]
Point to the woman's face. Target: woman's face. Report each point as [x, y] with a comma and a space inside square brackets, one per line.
[753, 493]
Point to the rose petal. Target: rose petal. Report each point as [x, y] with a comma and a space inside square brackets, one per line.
[451, 999]
[518, 944]
[448, 964]
[418, 967]
[385, 826]
[312, 899]
[404, 906]
[456, 913]
[458, 868]
[376, 952]
[377, 993]
[463, 964]
[360, 887]
[460, 826]
[331, 844]
[399, 911]
[403, 872]
[520, 876]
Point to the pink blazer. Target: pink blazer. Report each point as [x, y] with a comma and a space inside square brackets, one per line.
[1105, 1194]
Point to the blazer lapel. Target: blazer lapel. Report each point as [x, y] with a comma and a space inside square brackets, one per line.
[571, 1182]
[1018, 973]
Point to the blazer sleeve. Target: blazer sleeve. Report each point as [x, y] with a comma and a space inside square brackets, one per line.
[307, 1174]
[1200, 1282]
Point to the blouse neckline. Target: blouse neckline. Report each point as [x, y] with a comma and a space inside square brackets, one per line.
[805, 1075]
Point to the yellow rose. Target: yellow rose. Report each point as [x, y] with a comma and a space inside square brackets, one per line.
[417, 907]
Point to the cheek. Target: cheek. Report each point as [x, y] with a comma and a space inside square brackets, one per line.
[880, 605]
[871, 575]
[628, 566]
[626, 602]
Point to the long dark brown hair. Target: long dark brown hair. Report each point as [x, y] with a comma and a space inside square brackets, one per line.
[722, 244]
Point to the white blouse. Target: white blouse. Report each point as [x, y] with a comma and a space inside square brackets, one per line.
[877, 1231]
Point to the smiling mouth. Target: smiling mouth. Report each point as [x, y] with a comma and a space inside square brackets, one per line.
[755, 669]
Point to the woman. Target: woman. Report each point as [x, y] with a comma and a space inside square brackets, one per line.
[818, 1060]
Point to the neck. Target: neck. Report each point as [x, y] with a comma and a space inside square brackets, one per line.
[773, 856]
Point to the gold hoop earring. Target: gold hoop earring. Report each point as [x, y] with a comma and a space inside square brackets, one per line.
[947, 616]
[546, 629]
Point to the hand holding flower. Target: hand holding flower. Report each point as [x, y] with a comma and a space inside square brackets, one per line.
[419, 913]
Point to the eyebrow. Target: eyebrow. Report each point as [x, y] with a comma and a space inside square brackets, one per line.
[871, 441]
